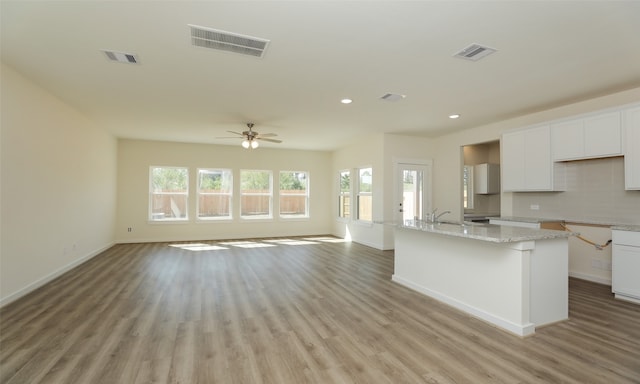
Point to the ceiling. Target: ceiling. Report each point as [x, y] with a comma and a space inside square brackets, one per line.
[550, 53]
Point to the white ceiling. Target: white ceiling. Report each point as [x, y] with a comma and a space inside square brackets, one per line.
[549, 53]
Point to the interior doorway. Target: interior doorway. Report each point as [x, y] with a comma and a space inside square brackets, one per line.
[481, 181]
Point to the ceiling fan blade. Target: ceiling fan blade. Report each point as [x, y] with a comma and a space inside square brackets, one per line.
[267, 135]
[237, 133]
[227, 137]
[270, 140]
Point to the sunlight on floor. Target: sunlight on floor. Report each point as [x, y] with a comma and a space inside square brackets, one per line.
[198, 247]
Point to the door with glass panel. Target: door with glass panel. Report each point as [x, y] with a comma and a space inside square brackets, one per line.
[413, 192]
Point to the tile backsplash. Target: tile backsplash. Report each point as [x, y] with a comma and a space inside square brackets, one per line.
[595, 194]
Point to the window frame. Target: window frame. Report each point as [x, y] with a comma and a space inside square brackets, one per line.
[360, 194]
[199, 193]
[467, 187]
[345, 193]
[269, 194]
[152, 193]
[306, 214]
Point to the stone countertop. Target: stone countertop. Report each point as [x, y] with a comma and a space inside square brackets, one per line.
[485, 232]
[526, 219]
[625, 227]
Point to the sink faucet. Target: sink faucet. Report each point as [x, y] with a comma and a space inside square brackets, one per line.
[434, 218]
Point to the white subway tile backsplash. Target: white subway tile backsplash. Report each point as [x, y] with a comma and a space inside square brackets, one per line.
[594, 193]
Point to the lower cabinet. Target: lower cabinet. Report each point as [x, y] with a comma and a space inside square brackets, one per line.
[625, 278]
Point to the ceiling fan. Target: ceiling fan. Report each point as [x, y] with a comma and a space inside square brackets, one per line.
[251, 137]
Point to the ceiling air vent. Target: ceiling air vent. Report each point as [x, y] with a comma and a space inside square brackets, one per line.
[121, 57]
[474, 52]
[392, 97]
[227, 41]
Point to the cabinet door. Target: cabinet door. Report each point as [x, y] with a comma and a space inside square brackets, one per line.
[625, 277]
[568, 140]
[632, 148]
[513, 161]
[537, 163]
[602, 135]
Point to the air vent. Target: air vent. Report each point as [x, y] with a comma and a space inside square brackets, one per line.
[392, 97]
[121, 57]
[474, 52]
[227, 41]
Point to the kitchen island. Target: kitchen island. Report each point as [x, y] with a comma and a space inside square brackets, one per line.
[515, 278]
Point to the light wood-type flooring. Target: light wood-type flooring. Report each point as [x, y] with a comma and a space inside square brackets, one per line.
[290, 311]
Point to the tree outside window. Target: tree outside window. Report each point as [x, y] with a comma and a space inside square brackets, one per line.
[344, 198]
[215, 192]
[168, 193]
[256, 194]
[365, 196]
[294, 194]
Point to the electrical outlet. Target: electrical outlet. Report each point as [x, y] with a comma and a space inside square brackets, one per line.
[595, 263]
[534, 207]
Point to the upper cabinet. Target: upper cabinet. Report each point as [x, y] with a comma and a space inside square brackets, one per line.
[587, 137]
[526, 161]
[631, 122]
[486, 179]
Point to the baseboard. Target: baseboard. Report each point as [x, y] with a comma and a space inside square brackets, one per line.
[594, 279]
[40, 282]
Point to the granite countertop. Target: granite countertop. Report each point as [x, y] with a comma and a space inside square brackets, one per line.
[614, 226]
[526, 219]
[486, 232]
[626, 227]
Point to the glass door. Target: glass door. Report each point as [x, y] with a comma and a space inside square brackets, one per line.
[413, 195]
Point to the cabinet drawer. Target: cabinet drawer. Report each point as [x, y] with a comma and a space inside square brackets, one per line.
[629, 238]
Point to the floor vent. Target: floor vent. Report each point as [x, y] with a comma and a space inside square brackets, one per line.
[474, 52]
[227, 41]
[121, 57]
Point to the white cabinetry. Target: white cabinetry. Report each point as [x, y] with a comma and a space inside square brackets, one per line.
[631, 121]
[526, 161]
[625, 276]
[486, 179]
[587, 137]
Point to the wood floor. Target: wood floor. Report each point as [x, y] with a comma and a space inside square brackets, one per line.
[291, 312]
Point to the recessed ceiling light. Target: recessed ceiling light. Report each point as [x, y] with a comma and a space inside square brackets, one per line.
[346, 101]
[454, 116]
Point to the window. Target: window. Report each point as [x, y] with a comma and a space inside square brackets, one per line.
[344, 197]
[168, 193]
[255, 194]
[294, 194]
[215, 191]
[365, 198]
[467, 186]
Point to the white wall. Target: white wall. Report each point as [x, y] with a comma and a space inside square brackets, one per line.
[58, 187]
[136, 156]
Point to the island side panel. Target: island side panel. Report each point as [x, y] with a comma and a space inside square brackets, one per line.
[488, 280]
[549, 281]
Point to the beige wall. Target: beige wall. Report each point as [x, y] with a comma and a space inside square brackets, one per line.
[136, 156]
[58, 187]
[380, 151]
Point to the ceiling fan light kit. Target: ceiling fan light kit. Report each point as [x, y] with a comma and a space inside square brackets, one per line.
[251, 138]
